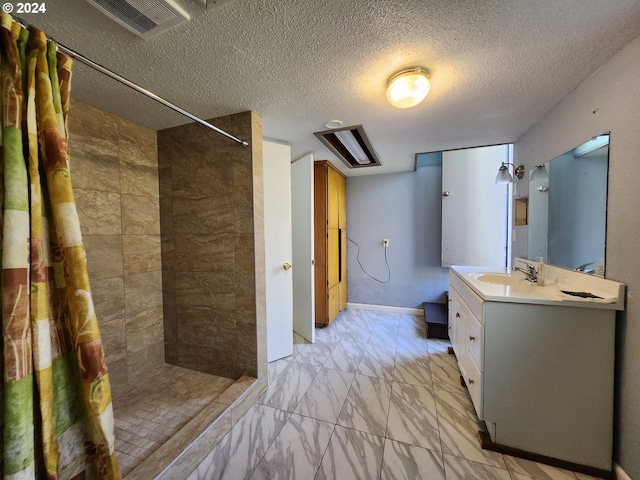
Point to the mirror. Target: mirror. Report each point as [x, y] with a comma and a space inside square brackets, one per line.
[568, 208]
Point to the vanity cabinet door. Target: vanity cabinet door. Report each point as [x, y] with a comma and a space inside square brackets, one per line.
[474, 380]
[468, 341]
[475, 331]
[456, 321]
[470, 362]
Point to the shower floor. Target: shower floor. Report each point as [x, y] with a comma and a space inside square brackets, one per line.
[150, 410]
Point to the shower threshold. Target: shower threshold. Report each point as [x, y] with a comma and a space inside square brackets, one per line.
[161, 414]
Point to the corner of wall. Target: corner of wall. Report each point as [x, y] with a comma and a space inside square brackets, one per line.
[258, 219]
[213, 246]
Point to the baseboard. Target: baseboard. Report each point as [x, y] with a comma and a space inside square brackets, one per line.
[620, 473]
[386, 308]
[487, 444]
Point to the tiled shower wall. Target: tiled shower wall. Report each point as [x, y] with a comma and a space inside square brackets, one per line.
[213, 247]
[212, 316]
[114, 168]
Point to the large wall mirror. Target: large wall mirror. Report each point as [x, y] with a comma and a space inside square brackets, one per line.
[568, 208]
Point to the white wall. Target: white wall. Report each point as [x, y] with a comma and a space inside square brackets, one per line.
[405, 208]
[609, 100]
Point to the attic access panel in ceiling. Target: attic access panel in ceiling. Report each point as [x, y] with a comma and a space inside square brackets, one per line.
[351, 145]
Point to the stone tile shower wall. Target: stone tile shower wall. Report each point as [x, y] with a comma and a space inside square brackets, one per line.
[114, 168]
[211, 206]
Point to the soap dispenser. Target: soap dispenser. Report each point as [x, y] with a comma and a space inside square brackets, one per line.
[541, 272]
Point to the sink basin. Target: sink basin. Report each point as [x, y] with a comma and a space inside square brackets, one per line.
[501, 279]
[502, 284]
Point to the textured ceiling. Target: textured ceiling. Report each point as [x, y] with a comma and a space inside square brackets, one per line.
[496, 65]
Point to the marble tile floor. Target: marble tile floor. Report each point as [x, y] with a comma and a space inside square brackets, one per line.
[151, 409]
[373, 398]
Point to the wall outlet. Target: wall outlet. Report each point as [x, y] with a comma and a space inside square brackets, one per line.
[385, 242]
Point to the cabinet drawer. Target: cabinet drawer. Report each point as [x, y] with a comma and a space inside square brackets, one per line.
[474, 302]
[475, 333]
[474, 380]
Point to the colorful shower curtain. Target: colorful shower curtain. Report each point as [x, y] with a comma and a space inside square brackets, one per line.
[58, 416]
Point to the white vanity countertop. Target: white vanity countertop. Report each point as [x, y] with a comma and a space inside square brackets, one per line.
[556, 280]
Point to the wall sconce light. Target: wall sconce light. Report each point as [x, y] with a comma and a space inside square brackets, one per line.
[504, 177]
[408, 87]
[539, 174]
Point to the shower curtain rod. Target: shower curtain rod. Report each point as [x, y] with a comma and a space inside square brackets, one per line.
[96, 66]
[109, 73]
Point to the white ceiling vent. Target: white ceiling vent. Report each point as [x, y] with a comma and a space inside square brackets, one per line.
[145, 18]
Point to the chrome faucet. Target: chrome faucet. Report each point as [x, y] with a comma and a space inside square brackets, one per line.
[529, 272]
[583, 268]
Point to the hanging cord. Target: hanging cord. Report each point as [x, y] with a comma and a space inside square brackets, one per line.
[365, 272]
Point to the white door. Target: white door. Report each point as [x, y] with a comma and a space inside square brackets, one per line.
[278, 254]
[302, 209]
[474, 208]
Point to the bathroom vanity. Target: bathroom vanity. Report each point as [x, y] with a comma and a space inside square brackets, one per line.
[539, 363]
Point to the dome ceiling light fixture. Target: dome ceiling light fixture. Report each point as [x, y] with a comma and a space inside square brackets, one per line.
[408, 87]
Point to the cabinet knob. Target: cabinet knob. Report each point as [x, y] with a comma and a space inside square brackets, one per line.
[471, 381]
[286, 266]
[457, 314]
[472, 338]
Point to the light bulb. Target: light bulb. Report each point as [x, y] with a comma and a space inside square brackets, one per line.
[408, 88]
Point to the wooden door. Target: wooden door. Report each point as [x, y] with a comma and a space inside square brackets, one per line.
[333, 198]
[333, 257]
[334, 303]
[342, 203]
[320, 241]
[342, 286]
